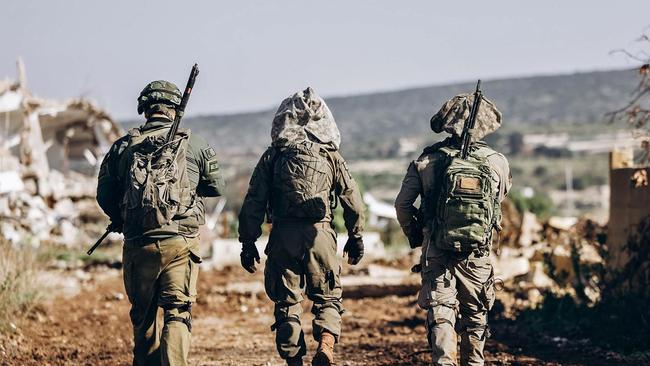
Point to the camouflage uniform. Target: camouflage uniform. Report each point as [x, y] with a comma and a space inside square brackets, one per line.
[452, 283]
[301, 253]
[161, 265]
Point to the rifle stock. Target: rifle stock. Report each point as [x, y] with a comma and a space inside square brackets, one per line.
[99, 241]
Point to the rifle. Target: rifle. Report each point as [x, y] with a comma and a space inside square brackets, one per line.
[109, 229]
[180, 110]
[468, 127]
[181, 107]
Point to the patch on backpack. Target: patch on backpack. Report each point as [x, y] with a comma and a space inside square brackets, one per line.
[213, 166]
[468, 184]
[209, 153]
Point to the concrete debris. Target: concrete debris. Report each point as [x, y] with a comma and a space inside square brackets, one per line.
[49, 153]
[563, 255]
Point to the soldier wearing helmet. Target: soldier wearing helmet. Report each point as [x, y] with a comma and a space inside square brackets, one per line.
[457, 277]
[161, 264]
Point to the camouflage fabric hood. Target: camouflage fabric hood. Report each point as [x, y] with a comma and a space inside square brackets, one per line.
[304, 116]
[451, 117]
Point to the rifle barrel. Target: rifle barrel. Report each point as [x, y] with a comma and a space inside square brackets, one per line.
[184, 99]
[466, 138]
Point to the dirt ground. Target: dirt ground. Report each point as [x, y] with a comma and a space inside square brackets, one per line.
[92, 328]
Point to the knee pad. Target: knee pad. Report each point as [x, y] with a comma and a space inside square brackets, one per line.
[438, 315]
[182, 308]
[480, 332]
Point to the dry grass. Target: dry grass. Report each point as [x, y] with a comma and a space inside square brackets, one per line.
[18, 288]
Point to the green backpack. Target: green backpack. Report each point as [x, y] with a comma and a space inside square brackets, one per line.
[301, 182]
[155, 181]
[467, 207]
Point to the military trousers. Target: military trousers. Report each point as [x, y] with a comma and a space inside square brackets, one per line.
[456, 286]
[161, 274]
[302, 258]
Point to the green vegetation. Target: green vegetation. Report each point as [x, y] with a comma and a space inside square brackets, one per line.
[544, 174]
[539, 204]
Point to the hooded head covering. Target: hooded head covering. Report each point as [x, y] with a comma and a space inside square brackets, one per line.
[451, 117]
[304, 116]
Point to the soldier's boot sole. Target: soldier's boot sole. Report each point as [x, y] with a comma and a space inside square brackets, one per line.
[322, 359]
[294, 362]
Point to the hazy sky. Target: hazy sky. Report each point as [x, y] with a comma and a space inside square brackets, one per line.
[254, 53]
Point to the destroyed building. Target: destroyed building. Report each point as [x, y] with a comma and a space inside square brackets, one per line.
[49, 156]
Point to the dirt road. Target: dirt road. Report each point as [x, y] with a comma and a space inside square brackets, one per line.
[92, 328]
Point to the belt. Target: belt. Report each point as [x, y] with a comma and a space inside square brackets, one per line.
[318, 225]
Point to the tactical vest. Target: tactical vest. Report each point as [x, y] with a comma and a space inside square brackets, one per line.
[465, 201]
[155, 182]
[301, 182]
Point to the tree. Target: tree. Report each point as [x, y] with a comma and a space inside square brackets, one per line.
[637, 111]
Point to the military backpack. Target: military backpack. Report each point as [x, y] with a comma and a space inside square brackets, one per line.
[155, 180]
[301, 183]
[466, 203]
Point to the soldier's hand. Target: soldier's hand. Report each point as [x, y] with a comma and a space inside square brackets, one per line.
[115, 226]
[249, 255]
[353, 249]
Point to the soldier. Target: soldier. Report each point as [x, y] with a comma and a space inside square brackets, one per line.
[299, 179]
[160, 261]
[459, 208]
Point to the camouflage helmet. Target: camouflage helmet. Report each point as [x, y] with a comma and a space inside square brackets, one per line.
[451, 117]
[159, 92]
[305, 116]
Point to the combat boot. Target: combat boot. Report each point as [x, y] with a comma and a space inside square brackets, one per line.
[325, 354]
[295, 361]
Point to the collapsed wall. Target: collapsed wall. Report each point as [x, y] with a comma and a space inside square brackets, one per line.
[49, 156]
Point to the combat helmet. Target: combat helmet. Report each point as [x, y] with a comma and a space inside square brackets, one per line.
[159, 92]
[452, 115]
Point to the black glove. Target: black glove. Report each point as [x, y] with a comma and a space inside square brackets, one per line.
[249, 255]
[415, 235]
[116, 226]
[354, 249]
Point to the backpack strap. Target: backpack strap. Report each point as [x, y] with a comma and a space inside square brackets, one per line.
[334, 201]
[269, 207]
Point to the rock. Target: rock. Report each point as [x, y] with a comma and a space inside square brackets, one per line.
[562, 265]
[562, 223]
[116, 296]
[510, 264]
[530, 230]
[538, 278]
[588, 254]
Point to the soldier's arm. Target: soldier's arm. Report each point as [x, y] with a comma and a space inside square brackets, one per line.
[500, 165]
[211, 183]
[109, 188]
[350, 197]
[251, 216]
[408, 194]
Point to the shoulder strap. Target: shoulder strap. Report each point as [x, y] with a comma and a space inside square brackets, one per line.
[334, 202]
[269, 208]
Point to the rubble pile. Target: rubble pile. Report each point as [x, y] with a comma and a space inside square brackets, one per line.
[49, 156]
[29, 219]
[563, 256]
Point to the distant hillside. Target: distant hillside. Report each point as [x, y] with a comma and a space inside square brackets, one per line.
[373, 120]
